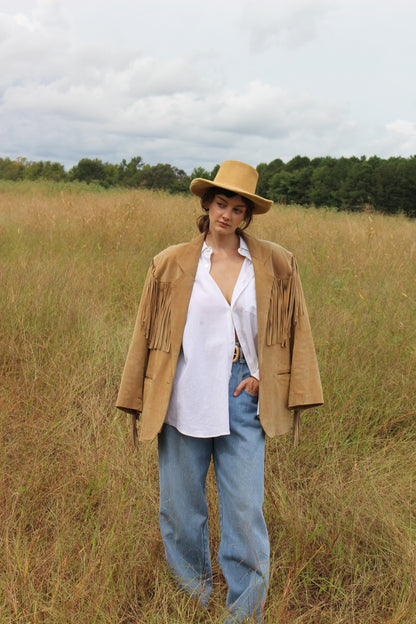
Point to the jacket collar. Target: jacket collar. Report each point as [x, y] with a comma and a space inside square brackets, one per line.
[259, 252]
[189, 254]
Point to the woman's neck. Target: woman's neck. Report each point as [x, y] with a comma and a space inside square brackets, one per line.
[226, 243]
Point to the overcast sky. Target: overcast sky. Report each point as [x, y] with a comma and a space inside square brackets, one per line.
[193, 83]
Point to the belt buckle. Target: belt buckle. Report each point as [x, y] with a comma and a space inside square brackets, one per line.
[236, 356]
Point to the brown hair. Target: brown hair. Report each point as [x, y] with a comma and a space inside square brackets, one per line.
[203, 220]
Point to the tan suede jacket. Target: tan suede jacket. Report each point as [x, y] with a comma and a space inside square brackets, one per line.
[289, 375]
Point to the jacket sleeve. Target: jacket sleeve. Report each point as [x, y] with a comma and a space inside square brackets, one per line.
[130, 395]
[305, 384]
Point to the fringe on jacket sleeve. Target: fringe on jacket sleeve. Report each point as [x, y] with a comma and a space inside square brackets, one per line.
[285, 308]
[156, 312]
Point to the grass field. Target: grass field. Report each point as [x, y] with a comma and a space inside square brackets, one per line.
[78, 511]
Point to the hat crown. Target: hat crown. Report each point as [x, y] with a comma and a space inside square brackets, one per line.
[238, 175]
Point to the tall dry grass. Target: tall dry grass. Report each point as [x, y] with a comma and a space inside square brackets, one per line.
[78, 513]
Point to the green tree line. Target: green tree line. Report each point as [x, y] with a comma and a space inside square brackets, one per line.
[384, 185]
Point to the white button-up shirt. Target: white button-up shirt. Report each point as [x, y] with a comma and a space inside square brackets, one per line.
[199, 401]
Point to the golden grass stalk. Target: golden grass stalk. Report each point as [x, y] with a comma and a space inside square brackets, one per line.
[78, 513]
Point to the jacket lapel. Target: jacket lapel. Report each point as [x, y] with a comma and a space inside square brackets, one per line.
[187, 262]
[263, 273]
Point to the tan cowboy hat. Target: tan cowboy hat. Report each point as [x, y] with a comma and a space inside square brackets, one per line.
[236, 176]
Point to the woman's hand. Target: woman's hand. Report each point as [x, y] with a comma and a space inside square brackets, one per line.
[250, 385]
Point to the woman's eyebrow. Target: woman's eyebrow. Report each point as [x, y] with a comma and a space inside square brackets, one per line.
[225, 198]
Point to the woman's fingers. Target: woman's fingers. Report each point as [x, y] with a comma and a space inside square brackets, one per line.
[250, 385]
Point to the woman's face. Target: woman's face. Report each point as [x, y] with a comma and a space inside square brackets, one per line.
[226, 213]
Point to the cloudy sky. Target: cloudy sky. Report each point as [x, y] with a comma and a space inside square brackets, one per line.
[195, 82]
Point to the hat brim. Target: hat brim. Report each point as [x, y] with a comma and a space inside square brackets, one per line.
[199, 186]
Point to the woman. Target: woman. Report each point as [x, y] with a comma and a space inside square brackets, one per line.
[221, 353]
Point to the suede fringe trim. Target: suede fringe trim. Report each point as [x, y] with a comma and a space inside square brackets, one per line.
[285, 308]
[156, 313]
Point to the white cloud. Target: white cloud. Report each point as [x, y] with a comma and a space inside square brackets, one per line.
[401, 137]
[32, 57]
[179, 83]
[292, 24]
[403, 127]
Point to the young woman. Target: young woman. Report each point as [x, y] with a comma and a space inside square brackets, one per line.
[221, 353]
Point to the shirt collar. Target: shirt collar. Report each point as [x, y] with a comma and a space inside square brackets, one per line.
[243, 250]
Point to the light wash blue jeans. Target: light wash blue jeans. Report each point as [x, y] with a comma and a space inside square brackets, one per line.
[239, 468]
